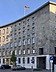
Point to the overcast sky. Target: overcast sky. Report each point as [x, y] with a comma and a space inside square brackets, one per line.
[12, 10]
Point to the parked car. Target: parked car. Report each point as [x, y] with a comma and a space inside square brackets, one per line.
[5, 67]
[18, 67]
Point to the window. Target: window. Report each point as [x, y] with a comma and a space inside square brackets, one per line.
[11, 52]
[27, 19]
[33, 40]
[33, 23]
[3, 31]
[19, 32]
[23, 51]
[3, 38]
[24, 41]
[33, 60]
[19, 60]
[23, 27]
[15, 25]
[23, 31]
[11, 39]
[23, 21]
[32, 17]
[55, 50]
[28, 25]
[10, 34]
[19, 23]
[0, 39]
[15, 33]
[40, 51]
[0, 53]
[15, 30]
[19, 52]
[11, 44]
[19, 29]
[15, 44]
[28, 41]
[0, 32]
[7, 31]
[33, 28]
[19, 43]
[28, 29]
[28, 60]
[4, 53]
[3, 60]
[0, 61]
[7, 37]
[15, 52]
[28, 51]
[7, 52]
[33, 51]
[23, 60]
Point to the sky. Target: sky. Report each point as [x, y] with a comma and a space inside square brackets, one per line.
[12, 10]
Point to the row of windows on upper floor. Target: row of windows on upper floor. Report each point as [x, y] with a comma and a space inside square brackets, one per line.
[15, 30]
[24, 42]
[9, 52]
[4, 30]
[14, 36]
[23, 30]
[21, 42]
[22, 52]
[27, 24]
[32, 19]
[24, 22]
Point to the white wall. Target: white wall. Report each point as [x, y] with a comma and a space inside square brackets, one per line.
[28, 65]
[48, 61]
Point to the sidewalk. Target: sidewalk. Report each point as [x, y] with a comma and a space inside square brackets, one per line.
[43, 71]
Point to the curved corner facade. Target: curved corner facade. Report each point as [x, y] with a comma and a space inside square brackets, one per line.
[33, 38]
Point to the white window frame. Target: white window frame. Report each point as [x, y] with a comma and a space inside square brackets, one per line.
[33, 50]
[0, 53]
[28, 51]
[23, 51]
[15, 44]
[24, 42]
[4, 53]
[28, 41]
[20, 43]
[19, 52]
[33, 40]
[15, 52]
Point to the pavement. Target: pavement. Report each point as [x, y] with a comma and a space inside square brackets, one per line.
[9, 70]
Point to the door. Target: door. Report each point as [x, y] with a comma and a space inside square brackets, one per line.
[41, 62]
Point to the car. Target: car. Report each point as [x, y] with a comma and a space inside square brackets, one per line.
[18, 67]
[5, 67]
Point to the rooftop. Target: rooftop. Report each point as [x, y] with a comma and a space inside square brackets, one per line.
[49, 2]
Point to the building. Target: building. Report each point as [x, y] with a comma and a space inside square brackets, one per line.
[33, 38]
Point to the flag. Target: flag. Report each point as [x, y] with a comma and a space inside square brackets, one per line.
[27, 7]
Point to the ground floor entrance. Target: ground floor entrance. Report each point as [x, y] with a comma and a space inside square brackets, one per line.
[38, 61]
[41, 62]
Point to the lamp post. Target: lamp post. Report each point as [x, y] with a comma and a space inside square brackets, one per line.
[51, 61]
[32, 61]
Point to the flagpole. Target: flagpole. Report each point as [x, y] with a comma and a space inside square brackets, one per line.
[26, 8]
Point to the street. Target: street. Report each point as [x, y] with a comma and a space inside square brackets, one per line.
[9, 70]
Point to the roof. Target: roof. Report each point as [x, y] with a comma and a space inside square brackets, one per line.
[47, 3]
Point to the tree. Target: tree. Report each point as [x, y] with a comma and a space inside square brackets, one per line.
[13, 58]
